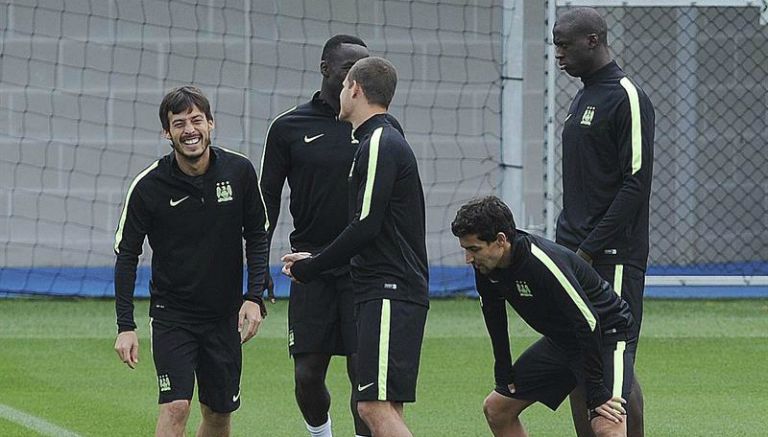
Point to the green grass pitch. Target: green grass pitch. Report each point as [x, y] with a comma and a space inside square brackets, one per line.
[703, 366]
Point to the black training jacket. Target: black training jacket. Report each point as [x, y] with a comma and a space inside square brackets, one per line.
[386, 237]
[560, 296]
[311, 148]
[607, 169]
[196, 228]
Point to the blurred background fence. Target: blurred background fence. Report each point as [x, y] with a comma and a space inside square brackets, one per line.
[80, 83]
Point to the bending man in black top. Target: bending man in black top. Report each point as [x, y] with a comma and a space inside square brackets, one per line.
[587, 328]
[607, 172]
[386, 243]
[311, 148]
[195, 205]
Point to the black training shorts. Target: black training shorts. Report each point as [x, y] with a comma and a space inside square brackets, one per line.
[209, 352]
[547, 372]
[321, 317]
[629, 283]
[390, 333]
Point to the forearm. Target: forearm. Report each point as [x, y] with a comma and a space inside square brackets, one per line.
[356, 235]
[495, 316]
[625, 206]
[125, 280]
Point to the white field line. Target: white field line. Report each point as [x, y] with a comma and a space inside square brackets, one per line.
[34, 423]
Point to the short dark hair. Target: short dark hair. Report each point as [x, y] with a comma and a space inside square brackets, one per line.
[584, 21]
[335, 41]
[377, 77]
[484, 217]
[182, 99]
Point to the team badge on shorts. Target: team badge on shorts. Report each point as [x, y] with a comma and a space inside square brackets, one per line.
[164, 382]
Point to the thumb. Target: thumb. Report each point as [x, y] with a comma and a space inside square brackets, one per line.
[135, 353]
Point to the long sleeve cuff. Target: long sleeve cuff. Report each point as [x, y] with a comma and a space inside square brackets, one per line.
[303, 270]
[121, 327]
[598, 395]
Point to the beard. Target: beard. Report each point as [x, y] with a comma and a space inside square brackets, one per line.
[191, 154]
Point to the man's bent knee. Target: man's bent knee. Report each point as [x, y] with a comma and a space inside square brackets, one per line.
[500, 409]
[603, 427]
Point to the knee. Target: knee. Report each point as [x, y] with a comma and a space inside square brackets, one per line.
[370, 412]
[365, 410]
[177, 410]
[605, 428]
[307, 375]
[495, 411]
[610, 433]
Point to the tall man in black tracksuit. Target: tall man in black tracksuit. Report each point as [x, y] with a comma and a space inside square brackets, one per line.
[310, 147]
[607, 169]
[587, 327]
[385, 246]
[195, 205]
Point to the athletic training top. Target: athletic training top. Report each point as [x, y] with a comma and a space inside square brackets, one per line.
[195, 226]
[310, 147]
[560, 296]
[607, 169]
[386, 237]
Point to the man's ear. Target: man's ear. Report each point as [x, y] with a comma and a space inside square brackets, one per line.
[592, 40]
[501, 238]
[166, 134]
[324, 68]
[357, 90]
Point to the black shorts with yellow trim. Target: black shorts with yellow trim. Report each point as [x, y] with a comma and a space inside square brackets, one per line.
[321, 317]
[547, 372]
[390, 334]
[629, 282]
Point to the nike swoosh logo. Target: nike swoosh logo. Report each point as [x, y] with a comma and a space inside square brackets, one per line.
[236, 397]
[363, 387]
[176, 202]
[310, 139]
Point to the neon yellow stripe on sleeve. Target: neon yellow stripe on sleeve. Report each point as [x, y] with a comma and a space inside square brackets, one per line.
[637, 133]
[572, 293]
[124, 214]
[373, 157]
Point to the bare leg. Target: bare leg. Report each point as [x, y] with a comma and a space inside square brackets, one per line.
[360, 427]
[214, 424]
[172, 420]
[635, 422]
[579, 413]
[603, 427]
[384, 418]
[312, 395]
[503, 415]
[635, 419]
